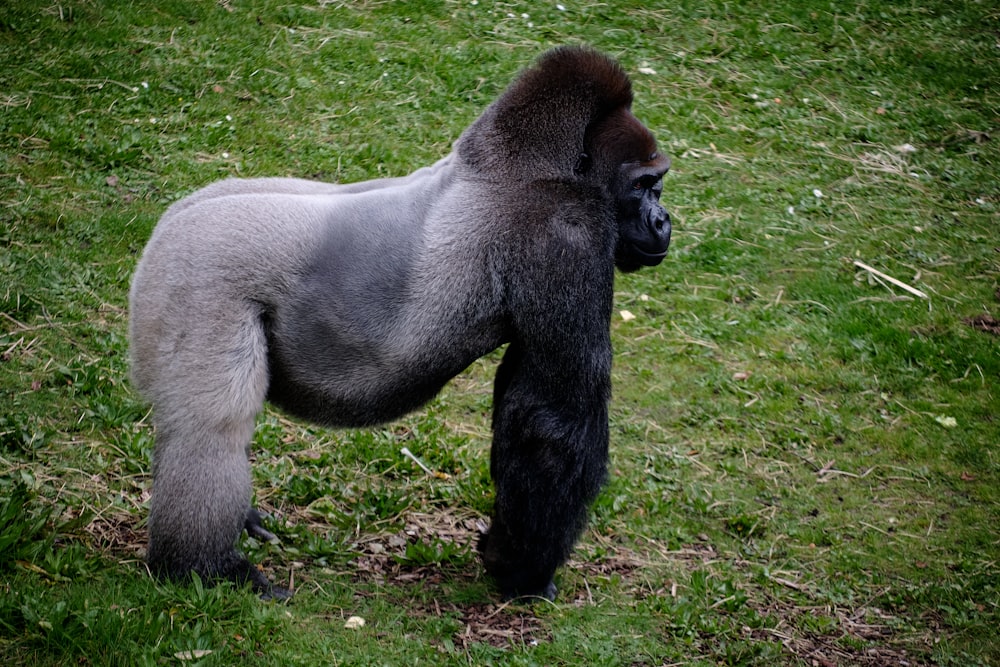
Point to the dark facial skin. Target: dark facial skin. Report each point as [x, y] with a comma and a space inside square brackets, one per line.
[643, 225]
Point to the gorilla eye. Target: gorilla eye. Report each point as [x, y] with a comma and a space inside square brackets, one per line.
[582, 164]
[644, 183]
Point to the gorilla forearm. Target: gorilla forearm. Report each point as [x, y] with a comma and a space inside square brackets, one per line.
[548, 462]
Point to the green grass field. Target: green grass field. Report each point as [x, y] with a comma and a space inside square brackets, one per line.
[805, 455]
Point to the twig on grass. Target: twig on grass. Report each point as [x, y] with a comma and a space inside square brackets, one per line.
[408, 454]
[898, 283]
[21, 326]
[786, 582]
[827, 472]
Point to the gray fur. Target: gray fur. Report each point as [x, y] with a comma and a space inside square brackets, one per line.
[351, 305]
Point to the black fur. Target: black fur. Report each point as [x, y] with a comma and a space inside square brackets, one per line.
[354, 304]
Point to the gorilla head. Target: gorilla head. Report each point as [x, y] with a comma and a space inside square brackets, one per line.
[350, 305]
[570, 117]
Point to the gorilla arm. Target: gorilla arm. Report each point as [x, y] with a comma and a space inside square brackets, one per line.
[550, 415]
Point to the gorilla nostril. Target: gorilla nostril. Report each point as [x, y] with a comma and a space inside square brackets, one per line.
[661, 221]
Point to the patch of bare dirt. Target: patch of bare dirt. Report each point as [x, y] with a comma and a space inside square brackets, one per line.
[986, 323]
[118, 534]
[381, 556]
[500, 626]
[863, 637]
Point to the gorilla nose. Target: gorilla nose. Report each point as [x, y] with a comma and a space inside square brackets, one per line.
[660, 228]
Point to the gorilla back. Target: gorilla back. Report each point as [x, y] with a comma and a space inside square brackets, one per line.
[350, 305]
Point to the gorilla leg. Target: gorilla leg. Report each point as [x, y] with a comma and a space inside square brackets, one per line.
[206, 393]
[548, 462]
[201, 502]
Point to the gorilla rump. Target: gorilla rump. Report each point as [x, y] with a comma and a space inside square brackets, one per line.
[351, 305]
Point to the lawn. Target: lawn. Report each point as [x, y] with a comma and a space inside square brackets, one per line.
[805, 439]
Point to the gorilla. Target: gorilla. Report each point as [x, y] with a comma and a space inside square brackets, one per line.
[351, 305]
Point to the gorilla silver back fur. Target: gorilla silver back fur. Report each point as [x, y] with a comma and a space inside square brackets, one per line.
[350, 305]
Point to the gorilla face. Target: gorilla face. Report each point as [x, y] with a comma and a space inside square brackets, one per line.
[643, 225]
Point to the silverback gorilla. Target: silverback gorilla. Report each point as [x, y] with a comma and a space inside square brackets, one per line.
[351, 305]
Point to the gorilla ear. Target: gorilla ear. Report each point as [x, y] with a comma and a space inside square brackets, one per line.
[537, 127]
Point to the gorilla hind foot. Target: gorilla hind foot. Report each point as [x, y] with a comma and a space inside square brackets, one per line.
[261, 584]
[254, 526]
[230, 566]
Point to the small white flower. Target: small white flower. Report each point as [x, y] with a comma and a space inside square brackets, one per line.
[754, 96]
[145, 84]
[153, 121]
[228, 117]
[791, 210]
[947, 422]
[561, 8]
[647, 70]
[525, 16]
[626, 315]
[474, 2]
[225, 156]
[196, 654]
[817, 193]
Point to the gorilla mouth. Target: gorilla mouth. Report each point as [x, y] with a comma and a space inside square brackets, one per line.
[649, 258]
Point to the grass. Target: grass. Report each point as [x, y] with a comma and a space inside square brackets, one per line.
[805, 457]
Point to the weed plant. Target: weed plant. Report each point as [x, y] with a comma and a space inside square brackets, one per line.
[805, 458]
